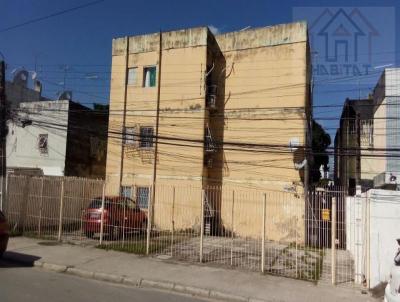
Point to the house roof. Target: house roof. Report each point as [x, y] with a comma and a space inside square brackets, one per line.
[363, 107]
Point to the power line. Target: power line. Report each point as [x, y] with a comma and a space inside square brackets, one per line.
[55, 14]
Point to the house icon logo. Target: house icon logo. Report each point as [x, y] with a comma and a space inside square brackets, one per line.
[343, 37]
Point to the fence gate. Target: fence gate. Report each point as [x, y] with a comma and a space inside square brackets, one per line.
[338, 263]
[319, 217]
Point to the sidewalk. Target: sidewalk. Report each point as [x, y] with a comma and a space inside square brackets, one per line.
[200, 280]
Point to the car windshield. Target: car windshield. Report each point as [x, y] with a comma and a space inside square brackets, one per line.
[95, 204]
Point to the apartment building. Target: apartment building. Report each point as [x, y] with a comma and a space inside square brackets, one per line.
[386, 95]
[353, 162]
[367, 142]
[198, 110]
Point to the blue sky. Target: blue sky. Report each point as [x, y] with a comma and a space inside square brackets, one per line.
[81, 39]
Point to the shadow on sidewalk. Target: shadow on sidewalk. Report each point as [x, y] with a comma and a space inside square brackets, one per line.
[13, 259]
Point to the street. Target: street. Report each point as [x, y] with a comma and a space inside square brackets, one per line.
[18, 284]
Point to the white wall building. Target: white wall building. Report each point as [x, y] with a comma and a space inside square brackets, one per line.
[60, 138]
[42, 142]
[386, 134]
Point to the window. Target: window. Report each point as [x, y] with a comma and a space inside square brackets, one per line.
[367, 132]
[126, 191]
[146, 137]
[132, 75]
[149, 76]
[142, 197]
[43, 143]
[129, 136]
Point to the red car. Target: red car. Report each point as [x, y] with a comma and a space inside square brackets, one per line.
[4, 233]
[121, 215]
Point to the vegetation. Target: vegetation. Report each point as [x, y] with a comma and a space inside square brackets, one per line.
[320, 142]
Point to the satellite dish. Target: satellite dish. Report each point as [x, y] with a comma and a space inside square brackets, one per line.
[21, 78]
[65, 95]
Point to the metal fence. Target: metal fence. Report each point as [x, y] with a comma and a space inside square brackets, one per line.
[281, 233]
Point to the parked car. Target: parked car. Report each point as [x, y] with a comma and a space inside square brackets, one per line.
[4, 233]
[392, 291]
[121, 215]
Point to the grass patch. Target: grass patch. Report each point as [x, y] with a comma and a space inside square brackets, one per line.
[138, 247]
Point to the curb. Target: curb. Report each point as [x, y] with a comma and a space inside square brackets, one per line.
[144, 283]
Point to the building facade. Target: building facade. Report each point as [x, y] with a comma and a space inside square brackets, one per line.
[199, 110]
[368, 140]
[353, 160]
[59, 138]
[386, 129]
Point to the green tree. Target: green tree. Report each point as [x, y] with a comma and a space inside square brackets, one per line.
[320, 142]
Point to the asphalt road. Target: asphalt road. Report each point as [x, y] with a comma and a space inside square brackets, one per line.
[19, 284]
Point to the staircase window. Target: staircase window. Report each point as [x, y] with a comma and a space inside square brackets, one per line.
[146, 137]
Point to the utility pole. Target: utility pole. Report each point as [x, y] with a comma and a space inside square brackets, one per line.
[3, 130]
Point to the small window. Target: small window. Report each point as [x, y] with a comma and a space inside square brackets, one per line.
[132, 75]
[129, 136]
[146, 137]
[43, 143]
[149, 76]
[142, 197]
[126, 191]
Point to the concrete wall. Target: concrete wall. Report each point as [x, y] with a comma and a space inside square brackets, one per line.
[22, 142]
[372, 223]
[267, 69]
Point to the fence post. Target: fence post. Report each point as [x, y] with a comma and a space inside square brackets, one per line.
[333, 241]
[368, 239]
[172, 220]
[263, 234]
[61, 211]
[103, 195]
[232, 220]
[40, 209]
[149, 219]
[24, 205]
[202, 225]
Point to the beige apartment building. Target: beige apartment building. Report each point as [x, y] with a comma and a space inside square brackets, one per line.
[192, 109]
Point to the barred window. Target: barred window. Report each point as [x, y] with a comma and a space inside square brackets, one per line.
[43, 143]
[146, 137]
[129, 136]
[142, 197]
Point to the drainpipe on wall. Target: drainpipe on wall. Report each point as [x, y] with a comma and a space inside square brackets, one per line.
[124, 115]
[153, 191]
